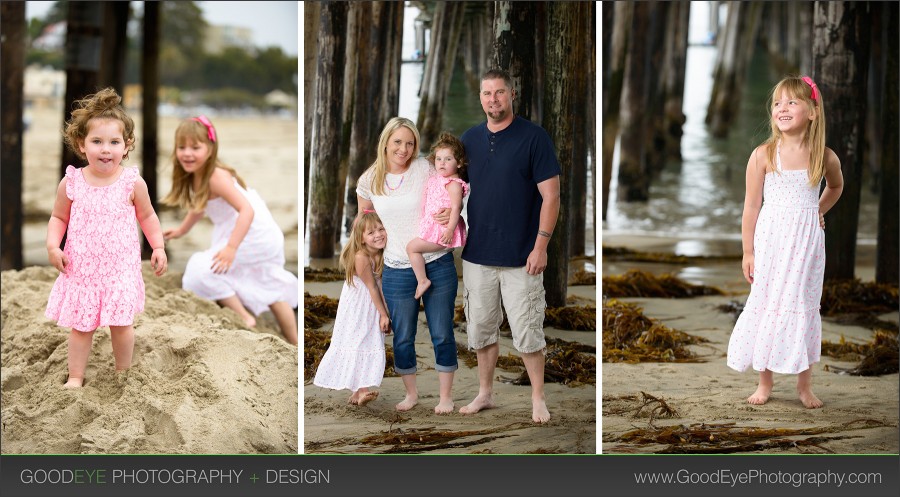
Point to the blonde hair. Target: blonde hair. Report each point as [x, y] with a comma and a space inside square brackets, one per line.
[814, 139]
[182, 193]
[355, 244]
[105, 104]
[379, 167]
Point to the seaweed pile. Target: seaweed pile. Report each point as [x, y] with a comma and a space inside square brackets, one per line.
[570, 363]
[315, 343]
[656, 407]
[318, 309]
[582, 277]
[575, 318]
[626, 254]
[878, 357]
[323, 274]
[727, 438]
[854, 296]
[629, 336]
[637, 283]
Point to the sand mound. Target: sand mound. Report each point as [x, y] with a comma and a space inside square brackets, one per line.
[201, 382]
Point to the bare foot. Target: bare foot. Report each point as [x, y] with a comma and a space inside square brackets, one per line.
[423, 285]
[408, 403]
[367, 397]
[444, 407]
[74, 383]
[480, 402]
[539, 412]
[761, 395]
[250, 321]
[354, 398]
[809, 399]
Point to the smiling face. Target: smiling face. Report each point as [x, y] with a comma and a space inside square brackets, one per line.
[192, 155]
[496, 100]
[104, 146]
[400, 148]
[791, 114]
[374, 237]
[445, 163]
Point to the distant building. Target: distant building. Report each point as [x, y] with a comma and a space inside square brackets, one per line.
[220, 37]
[52, 38]
[43, 85]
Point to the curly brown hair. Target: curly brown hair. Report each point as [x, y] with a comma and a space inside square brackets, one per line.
[105, 104]
[456, 147]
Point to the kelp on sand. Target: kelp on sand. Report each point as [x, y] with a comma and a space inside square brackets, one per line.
[637, 283]
[629, 336]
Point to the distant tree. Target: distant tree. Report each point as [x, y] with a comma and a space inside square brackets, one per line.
[183, 31]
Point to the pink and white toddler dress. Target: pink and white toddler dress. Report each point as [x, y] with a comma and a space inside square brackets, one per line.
[102, 285]
[435, 198]
[780, 328]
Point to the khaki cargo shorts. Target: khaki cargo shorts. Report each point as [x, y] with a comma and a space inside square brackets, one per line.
[522, 297]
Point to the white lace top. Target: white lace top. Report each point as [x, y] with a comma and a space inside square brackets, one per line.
[399, 209]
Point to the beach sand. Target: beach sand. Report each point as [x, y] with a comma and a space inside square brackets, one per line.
[200, 383]
[860, 413]
[333, 426]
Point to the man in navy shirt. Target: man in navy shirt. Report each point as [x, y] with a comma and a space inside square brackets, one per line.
[512, 210]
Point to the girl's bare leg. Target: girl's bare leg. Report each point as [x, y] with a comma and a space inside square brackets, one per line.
[237, 306]
[122, 338]
[804, 388]
[761, 395]
[414, 249]
[284, 314]
[79, 350]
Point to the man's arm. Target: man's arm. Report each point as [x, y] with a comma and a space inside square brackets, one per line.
[537, 259]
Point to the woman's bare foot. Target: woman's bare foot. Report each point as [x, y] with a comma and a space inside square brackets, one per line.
[539, 412]
[761, 395]
[444, 407]
[809, 399]
[367, 397]
[74, 383]
[422, 287]
[408, 403]
[480, 403]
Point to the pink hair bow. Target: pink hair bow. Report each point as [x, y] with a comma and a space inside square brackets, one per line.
[210, 131]
[815, 89]
[368, 211]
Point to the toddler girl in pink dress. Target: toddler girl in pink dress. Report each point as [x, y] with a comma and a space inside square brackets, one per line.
[444, 189]
[97, 208]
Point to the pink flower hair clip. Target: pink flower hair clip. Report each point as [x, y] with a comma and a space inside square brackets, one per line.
[210, 131]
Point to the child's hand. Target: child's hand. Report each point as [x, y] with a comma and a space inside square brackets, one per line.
[223, 259]
[747, 266]
[446, 236]
[159, 261]
[384, 323]
[58, 259]
[442, 216]
[172, 233]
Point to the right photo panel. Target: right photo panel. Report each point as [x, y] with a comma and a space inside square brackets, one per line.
[749, 228]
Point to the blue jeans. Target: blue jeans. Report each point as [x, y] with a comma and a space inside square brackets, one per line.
[399, 287]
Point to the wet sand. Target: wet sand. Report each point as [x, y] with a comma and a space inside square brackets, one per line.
[861, 412]
[333, 426]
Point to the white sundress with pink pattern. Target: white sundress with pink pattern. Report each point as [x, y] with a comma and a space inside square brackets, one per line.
[102, 285]
[780, 328]
[355, 358]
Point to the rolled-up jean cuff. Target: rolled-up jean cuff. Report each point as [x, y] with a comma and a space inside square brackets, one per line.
[446, 369]
[404, 372]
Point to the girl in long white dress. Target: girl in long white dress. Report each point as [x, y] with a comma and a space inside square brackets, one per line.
[355, 358]
[782, 231]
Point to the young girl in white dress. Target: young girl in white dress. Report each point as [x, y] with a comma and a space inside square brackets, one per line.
[783, 237]
[244, 267]
[355, 358]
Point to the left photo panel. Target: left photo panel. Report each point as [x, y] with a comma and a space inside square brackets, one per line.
[150, 228]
